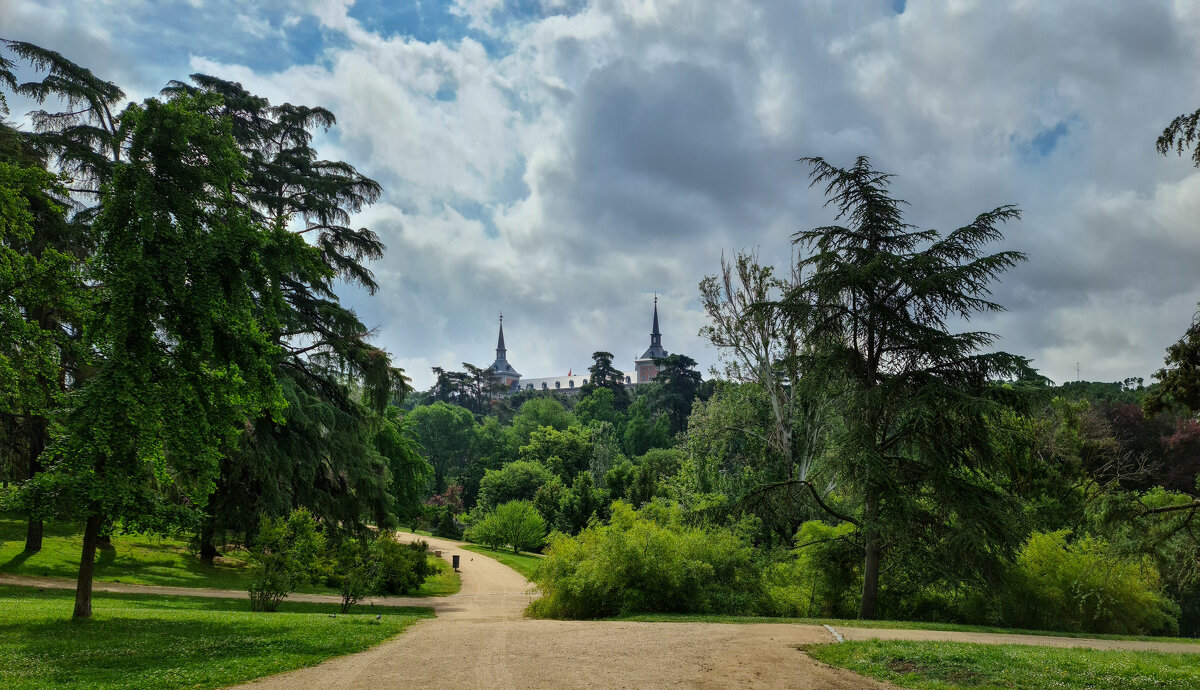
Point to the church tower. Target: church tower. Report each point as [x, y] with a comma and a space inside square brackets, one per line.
[645, 365]
[501, 369]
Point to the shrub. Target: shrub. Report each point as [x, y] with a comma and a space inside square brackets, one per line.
[1084, 587]
[401, 568]
[516, 481]
[357, 571]
[821, 578]
[647, 561]
[287, 553]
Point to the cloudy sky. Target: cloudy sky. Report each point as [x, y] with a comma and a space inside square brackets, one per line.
[561, 161]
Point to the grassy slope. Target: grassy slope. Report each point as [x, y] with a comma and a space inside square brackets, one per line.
[896, 625]
[522, 563]
[938, 665]
[139, 641]
[151, 560]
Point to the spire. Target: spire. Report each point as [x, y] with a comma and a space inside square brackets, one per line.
[655, 336]
[500, 351]
[656, 349]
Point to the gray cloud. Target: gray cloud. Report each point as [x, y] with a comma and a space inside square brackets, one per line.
[563, 167]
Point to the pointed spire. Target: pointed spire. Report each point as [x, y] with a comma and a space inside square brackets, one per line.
[500, 351]
[655, 336]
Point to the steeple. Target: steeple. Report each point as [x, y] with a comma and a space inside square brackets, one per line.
[501, 352]
[501, 369]
[655, 336]
[656, 349]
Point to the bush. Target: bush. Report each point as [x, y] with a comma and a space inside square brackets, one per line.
[401, 568]
[822, 578]
[357, 571]
[288, 552]
[1084, 587]
[516, 481]
[647, 561]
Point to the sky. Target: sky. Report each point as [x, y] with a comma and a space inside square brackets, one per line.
[564, 161]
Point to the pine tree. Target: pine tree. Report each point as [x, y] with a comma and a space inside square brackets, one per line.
[876, 296]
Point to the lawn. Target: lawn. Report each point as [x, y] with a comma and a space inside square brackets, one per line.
[524, 563]
[894, 625]
[938, 665]
[140, 641]
[153, 560]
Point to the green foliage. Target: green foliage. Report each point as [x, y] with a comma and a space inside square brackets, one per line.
[598, 406]
[877, 301]
[679, 384]
[644, 431]
[534, 414]
[581, 502]
[355, 572]
[289, 552]
[446, 527]
[565, 453]
[646, 561]
[639, 481]
[445, 434]
[182, 353]
[401, 568]
[1084, 586]
[823, 576]
[516, 481]
[516, 524]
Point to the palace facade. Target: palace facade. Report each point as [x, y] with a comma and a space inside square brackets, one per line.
[644, 368]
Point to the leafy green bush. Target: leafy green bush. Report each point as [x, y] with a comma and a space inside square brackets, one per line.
[357, 572]
[516, 481]
[400, 568]
[647, 561]
[447, 527]
[1084, 586]
[822, 578]
[516, 524]
[288, 552]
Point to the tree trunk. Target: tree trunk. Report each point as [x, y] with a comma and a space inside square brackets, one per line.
[87, 567]
[33, 536]
[870, 592]
[208, 550]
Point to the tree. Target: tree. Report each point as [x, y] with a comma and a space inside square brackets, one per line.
[518, 480]
[581, 502]
[337, 384]
[445, 434]
[566, 453]
[604, 375]
[597, 406]
[679, 383]
[533, 415]
[520, 526]
[83, 141]
[877, 294]
[182, 355]
[644, 431]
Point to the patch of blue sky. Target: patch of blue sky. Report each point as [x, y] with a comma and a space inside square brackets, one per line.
[1045, 142]
[898, 6]
[477, 211]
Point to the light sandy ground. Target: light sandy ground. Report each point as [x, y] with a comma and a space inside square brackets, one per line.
[481, 640]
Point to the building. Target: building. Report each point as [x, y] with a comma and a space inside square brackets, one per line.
[644, 367]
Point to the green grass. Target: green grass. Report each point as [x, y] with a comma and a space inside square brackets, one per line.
[524, 563]
[153, 560]
[445, 582]
[890, 625]
[133, 559]
[142, 641]
[938, 665]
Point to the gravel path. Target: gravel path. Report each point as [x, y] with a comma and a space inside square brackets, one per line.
[481, 640]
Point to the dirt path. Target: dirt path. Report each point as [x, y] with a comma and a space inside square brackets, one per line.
[481, 640]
